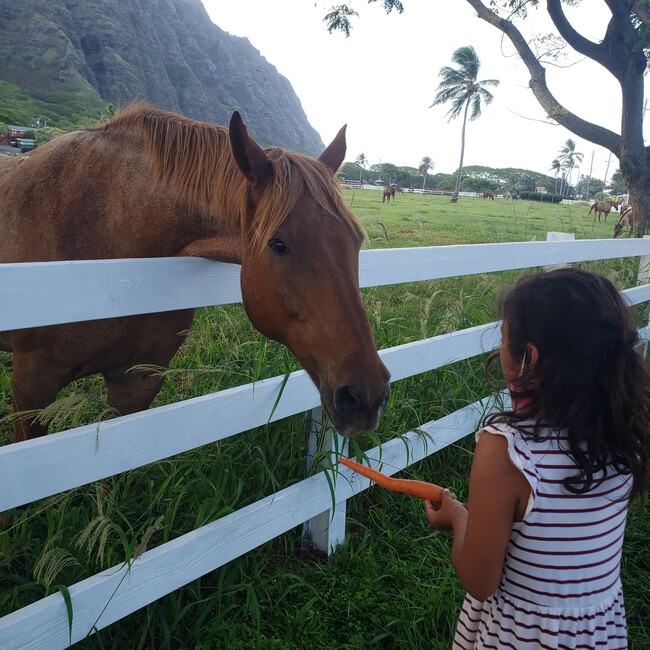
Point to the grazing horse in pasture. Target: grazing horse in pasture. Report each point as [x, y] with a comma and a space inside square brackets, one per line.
[487, 195]
[602, 207]
[390, 191]
[628, 215]
[154, 184]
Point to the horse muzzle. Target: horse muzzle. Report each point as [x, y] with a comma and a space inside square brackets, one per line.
[353, 410]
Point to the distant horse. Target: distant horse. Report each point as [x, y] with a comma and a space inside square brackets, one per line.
[603, 207]
[390, 191]
[628, 215]
[151, 183]
[487, 195]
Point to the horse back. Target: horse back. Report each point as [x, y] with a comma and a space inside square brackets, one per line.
[86, 195]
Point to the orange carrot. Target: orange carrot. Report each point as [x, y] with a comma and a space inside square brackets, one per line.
[420, 489]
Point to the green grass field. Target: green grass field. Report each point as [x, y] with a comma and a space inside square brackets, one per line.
[390, 585]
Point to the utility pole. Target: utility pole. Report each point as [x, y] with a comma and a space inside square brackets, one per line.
[591, 167]
[607, 170]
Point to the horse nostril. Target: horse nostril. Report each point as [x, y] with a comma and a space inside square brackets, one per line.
[346, 401]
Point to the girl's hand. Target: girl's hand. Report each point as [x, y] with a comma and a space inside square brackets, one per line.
[445, 514]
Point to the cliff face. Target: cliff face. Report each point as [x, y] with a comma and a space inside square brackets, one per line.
[165, 51]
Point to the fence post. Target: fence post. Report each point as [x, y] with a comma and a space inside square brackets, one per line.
[558, 236]
[643, 277]
[326, 530]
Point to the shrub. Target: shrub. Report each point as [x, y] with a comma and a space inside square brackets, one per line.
[539, 196]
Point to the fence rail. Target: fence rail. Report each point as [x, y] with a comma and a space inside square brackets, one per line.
[49, 293]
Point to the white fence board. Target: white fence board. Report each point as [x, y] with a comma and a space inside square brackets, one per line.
[48, 293]
[37, 468]
[111, 595]
[43, 293]
[396, 265]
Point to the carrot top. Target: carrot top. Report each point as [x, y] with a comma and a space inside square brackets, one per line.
[420, 489]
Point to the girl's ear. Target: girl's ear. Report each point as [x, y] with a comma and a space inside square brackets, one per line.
[532, 354]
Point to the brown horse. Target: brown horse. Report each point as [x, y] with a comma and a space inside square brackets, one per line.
[602, 207]
[151, 183]
[487, 195]
[390, 191]
[629, 215]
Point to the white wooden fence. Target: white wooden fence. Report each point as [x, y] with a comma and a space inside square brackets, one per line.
[57, 292]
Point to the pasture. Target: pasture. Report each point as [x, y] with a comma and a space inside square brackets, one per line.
[390, 585]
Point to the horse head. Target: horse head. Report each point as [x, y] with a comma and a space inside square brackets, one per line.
[299, 277]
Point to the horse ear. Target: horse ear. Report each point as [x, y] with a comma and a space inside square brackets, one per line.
[249, 156]
[335, 153]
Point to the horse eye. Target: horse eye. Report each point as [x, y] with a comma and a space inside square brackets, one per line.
[278, 247]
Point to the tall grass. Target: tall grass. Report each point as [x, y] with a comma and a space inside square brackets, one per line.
[390, 584]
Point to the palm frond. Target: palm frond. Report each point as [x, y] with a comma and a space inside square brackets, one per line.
[476, 107]
[467, 59]
[443, 96]
[486, 95]
[456, 108]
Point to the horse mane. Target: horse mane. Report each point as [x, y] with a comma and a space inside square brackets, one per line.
[196, 158]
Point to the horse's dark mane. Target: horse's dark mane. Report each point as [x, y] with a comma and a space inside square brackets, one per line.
[196, 157]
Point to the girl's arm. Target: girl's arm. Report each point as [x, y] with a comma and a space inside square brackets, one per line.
[498, 494]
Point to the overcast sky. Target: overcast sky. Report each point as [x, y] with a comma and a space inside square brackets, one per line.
[382, 79]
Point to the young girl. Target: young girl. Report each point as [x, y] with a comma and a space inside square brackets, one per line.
[538, 546]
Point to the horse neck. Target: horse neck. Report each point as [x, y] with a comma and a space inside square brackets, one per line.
[212, 187]
[194, 158]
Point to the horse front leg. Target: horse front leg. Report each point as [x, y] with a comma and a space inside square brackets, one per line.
[131, 387]
[132, 390]
[35, 382]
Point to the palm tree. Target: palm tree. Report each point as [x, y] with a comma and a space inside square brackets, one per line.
[556, 166]
[461, 87]
[362, 161]
[569, 158]
[426, 164]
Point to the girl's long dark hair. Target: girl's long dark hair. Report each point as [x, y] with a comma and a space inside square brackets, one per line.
[589, 378]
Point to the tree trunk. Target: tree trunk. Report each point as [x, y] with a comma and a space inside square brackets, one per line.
[459, 177]
[637, 177]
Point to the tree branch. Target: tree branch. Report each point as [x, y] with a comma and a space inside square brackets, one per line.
[641, 10]
[576, 40]
[587, 130]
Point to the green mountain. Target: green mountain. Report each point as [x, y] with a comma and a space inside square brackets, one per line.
[64, 60]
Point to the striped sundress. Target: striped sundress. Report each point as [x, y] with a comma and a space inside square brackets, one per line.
[561, 586]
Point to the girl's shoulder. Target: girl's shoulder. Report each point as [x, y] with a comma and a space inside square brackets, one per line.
[517, 442]
[528, 433]
[508, 431]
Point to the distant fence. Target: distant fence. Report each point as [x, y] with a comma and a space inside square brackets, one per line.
[56, 292]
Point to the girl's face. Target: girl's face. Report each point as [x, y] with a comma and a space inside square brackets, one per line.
[511, 367]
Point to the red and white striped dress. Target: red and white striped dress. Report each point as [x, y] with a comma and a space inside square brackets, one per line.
[561, 586]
